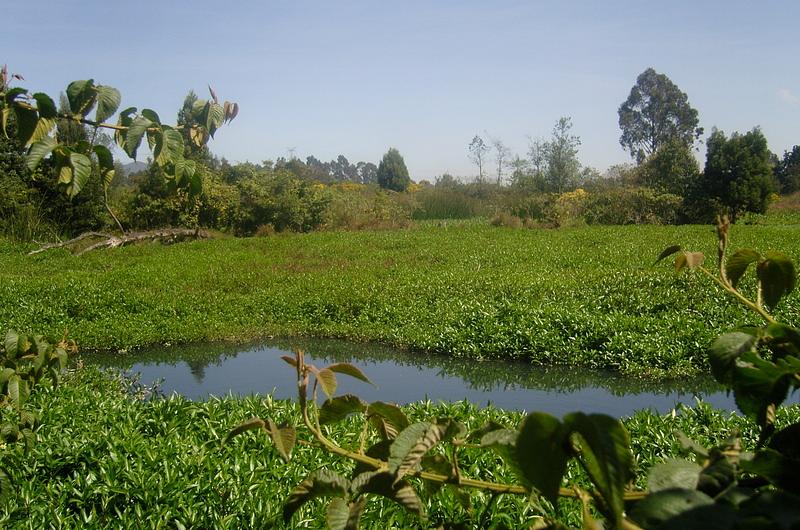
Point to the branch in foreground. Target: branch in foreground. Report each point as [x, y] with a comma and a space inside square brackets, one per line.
[167, 236]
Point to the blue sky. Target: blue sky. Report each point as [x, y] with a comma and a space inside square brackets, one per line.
[358, 77]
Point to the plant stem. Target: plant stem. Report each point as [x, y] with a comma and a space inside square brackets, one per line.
[745, 301]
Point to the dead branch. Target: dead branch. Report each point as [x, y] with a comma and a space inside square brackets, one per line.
[166, 236]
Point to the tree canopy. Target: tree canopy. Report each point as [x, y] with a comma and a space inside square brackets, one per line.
[392, 172]
[738, 173]
[655, 112]
[787, 172]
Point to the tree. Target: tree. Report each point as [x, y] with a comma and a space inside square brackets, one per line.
[392, 172]
[477, 153]
[563, 167]
[656, 111]
[738, 173]
[787, 171]
[671, 169]
[502, 154]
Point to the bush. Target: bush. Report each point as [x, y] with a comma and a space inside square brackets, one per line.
[444, 203]
[507, 220]
[358, 207]
[622, 206]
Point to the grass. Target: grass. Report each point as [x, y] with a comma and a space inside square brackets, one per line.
[105, 458]
[585, 297]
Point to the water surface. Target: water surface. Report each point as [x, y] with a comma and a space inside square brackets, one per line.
[199, 371]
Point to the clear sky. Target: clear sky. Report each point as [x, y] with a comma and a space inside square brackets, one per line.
[358, 77]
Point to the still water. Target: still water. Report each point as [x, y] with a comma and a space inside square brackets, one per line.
[198, 371]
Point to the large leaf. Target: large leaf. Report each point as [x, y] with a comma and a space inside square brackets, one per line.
[351, 370]
[27, 122]
[81, 96]
[249, 425]
[383, 483]
[169, 147]
[389, 417]
[761, 385]
[105, 162]
[673, 474]
[45, 105]
[658, 507]
[689, 260]
[283, 437]
[39, 150]
[81, 170]
[737, 264]
[338, 408]
[542, 453]
[337, 513]
[214, 118]
[327, 381]
[11, 343]
[777, 276]
[504, 442]
[411, 445]
[668, 252]
[125, 120]
[108, 100]
[133, 137]
[320, 483]
[726, 350]
[606, 455]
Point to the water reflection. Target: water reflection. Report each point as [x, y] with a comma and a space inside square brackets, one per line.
[200, 370]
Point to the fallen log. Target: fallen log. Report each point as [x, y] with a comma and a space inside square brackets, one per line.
[166, 236]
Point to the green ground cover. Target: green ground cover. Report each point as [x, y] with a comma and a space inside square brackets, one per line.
[107, 459]
[585, 296]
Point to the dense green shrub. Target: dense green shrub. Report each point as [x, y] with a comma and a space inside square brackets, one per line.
[443, 202]
[622, 206]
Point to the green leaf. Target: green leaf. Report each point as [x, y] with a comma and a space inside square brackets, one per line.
[668, 252]
[737, 264]
[284, 439]
[125, 120]
[12, 94]
[108, 100]
[383, 483]
[133, 137]
[726, 350]
[356, 509]
[5, 375]
[478, 434]
[542, 453]
[411, 445]
[673, 474]
[337, 513]
[214, 118]
[787, 441]
[391, 418]
[777, 276]
[717, 477]
[320, 483]
[45, 105]
[152, 116]
[185, 173]
[351, 370]
[105, 162]
[338, 408]
[6, 486]
[327, 381]
[81, 170]
[379, 451]
[249, 425]
[81, 96]
[27, 121]
[657, 508]
[169, 147]
[606, 455]
[39, 150]
[11, 343]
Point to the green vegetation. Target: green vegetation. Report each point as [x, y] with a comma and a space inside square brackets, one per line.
[106, 458]
[578, 297]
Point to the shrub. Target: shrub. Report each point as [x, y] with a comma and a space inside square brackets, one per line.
[506, 219]
[444, 203]
[622, 206]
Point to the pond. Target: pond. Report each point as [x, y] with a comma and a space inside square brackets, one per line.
[198, 371]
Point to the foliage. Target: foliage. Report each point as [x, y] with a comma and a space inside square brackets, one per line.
[75, 160]
[630, 205]
[655, 112]
[478, 151]
[359, 207]
[392, 172]
[671, 169]
[446, 202]
[724, 484]
[738, 174]
[563, 167]
[787, 172]
[569, 297]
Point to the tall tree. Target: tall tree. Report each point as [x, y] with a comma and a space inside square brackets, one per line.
[656, 111]
[502, 158]
[563, 167]
[478, 151]
[392, 171]
[787, 171]
[738, 173]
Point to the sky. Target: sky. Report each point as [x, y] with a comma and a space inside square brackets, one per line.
[331, 77]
